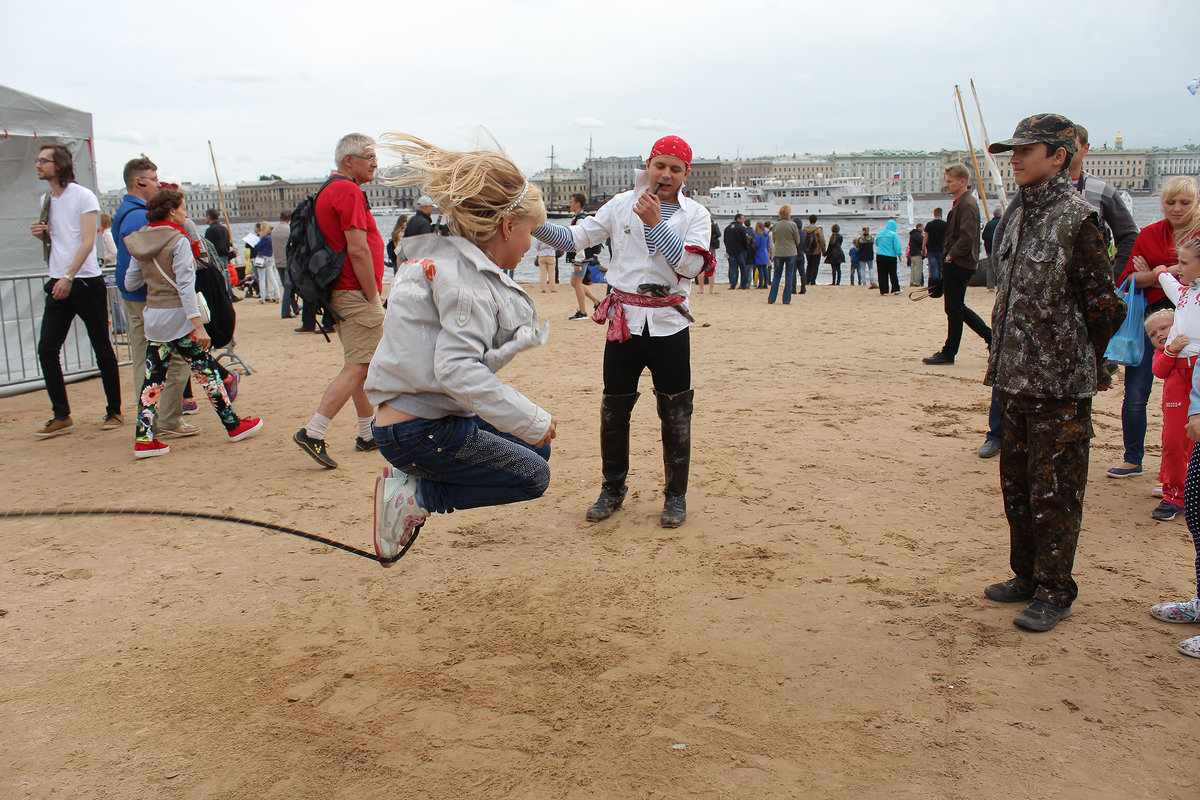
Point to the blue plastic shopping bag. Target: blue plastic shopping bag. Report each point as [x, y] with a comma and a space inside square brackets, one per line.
[1127, 345]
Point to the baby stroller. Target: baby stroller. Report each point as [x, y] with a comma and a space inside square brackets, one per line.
[249, 283]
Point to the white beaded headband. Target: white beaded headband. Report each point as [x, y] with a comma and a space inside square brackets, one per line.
[517, 202]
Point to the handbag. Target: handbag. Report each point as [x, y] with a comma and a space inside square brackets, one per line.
[1127, 346]
[205, 314]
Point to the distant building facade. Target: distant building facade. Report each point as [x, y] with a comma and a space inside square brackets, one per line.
[1164, 164]
[266, 200]
[609, 176]
[557, 184]
[706, 173]
[908, 171]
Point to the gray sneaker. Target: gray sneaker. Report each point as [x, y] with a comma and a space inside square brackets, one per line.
[1013, 590]
[1041, 616]
[989, 449]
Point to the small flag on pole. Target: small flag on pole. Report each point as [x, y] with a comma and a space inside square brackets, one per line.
[896, 175]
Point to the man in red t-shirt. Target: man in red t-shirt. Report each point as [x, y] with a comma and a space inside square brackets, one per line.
[344, 217]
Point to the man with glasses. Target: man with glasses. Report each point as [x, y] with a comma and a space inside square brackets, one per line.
[346, 223]
[141, 182]
[67, 228]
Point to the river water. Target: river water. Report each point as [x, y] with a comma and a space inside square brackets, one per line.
[1146, 209]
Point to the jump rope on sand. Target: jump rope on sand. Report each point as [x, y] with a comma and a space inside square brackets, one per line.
[156, 512]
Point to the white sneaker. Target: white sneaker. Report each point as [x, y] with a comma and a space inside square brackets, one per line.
[398, 517]
[1177, 612]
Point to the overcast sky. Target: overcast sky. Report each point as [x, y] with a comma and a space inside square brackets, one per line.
[274, 85]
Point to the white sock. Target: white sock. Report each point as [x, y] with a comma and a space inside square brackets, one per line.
[364, 428]
[318, 427]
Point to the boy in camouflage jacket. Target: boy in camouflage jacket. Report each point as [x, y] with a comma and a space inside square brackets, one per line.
[1056, 308]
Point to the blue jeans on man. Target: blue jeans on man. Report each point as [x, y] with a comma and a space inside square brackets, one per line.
[463, 462]
[1138, 381]
[737, 268]
[784, 265]
[935, 266]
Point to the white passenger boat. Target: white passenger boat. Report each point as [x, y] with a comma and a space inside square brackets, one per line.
[829, 198]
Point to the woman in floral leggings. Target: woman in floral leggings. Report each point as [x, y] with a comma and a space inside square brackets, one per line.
[165, 264]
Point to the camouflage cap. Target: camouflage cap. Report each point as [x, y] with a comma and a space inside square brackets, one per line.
[1053, 129]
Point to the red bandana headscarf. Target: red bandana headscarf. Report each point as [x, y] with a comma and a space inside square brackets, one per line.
[672, 146]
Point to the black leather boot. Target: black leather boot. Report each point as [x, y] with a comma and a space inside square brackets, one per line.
[614, 453]
[675, 412]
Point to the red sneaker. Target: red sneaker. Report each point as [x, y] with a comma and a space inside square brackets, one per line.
[150, 449]
[245, 429]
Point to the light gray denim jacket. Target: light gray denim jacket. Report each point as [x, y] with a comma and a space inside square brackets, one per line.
[454, 319]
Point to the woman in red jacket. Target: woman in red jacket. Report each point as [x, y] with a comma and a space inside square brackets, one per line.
[1155, 246]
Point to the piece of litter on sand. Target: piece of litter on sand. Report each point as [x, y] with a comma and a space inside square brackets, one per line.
[679, 746]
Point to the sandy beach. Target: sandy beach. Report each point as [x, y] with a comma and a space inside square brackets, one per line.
[816, 629]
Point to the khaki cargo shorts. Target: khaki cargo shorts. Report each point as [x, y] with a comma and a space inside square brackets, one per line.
[361, 327]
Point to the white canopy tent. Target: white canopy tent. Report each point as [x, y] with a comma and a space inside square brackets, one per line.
[28, 123]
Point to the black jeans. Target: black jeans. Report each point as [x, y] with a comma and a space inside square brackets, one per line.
[954, 281]
[888, 280]
[813, 262]
[89, 301]
[669, 359]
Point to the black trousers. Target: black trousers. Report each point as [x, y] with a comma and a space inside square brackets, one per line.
[813, 261]
[88, 300]
[669, 359]
[954, 282]
[888, 280]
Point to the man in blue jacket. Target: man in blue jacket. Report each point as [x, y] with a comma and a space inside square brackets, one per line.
[141, 182]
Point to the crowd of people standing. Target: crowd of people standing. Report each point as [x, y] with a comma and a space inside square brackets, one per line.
[457, 437]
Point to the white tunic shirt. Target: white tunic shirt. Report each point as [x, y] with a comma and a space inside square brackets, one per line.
[632, 263]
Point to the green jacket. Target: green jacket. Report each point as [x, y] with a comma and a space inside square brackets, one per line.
[785, 239]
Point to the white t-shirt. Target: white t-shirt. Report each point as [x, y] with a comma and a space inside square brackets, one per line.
[66, 230]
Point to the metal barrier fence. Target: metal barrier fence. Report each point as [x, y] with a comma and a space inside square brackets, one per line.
[22, 301]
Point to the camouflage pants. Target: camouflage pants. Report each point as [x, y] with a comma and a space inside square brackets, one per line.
[1043, 473]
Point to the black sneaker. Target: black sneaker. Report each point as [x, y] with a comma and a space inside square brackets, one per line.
[365, 445]
[1013, 590]
[939, 358]
[578, 315]
[1165, 511]
[315, 448]
[1041, 616]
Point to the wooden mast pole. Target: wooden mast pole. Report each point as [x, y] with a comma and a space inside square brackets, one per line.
[220, 194]
[978, 177]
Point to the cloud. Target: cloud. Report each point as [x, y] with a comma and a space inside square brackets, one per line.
[647, 124]
[589, 122]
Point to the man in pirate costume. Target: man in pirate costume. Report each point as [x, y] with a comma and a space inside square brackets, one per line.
[659, 243]
[1056, 308]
